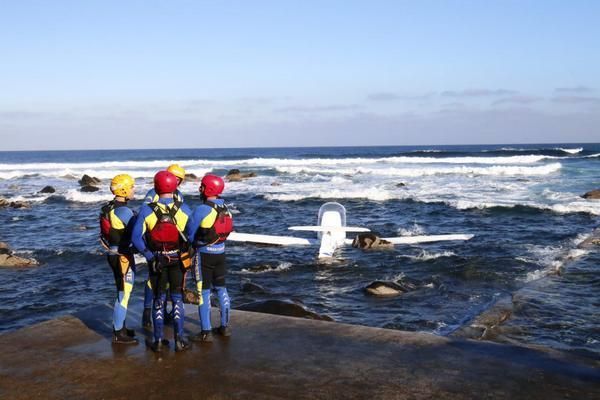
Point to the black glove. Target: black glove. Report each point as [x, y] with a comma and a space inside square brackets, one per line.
[154, 266]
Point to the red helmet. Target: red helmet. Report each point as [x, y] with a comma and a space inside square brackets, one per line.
[165, 182]
[213, 185]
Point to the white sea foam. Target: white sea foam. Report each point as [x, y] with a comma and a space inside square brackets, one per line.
[495, 170]
[282, 266]
[426, 256]
[570, 151]
[204, 164]
[414, 230]
[94, 197]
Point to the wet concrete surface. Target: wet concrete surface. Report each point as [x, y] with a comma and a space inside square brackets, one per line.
[276, 357]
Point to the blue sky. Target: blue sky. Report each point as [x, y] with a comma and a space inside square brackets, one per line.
[136, 74]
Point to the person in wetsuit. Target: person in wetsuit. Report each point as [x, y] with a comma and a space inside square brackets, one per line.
[158, 234]
[208, 228]
[116, 223]
[152, 197]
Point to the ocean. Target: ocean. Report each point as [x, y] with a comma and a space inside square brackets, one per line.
[522, 202]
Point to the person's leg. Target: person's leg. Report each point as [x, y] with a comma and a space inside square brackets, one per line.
[176, 275]
[124, 276]
[220, 270]
[159, 284]
[148, 300]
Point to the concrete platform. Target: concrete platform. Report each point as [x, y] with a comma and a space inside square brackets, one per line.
[275, 357]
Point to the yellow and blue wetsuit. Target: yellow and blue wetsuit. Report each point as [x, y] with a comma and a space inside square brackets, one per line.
[152, 197]
[172, 273]
[209, 264]
[120, 259]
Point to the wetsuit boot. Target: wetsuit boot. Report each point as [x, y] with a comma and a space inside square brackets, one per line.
[121, 337]
[181, 344]
[224, 305]
[224, 331]
[203, 337]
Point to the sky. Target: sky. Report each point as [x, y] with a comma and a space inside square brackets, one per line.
[176, 74]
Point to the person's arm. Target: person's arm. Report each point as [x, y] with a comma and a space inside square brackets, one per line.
[149, 196]
[137, 236]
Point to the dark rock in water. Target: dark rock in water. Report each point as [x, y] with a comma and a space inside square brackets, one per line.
[247, 286]
[488, 324]
[592, 195]
[14, 204]
[7, 259]
[389, 288]
[370, 241]
[4, 249]
[234, 175]
[48, 189]
[275, 184]
[401, 184]
[87, 180]
[191, 177]
[261, 268]
[190, 296]
[592, 241]
[20, 204]
[89, 188]
[282, 307]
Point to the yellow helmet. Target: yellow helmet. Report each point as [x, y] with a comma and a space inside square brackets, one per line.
[176, 170]
[121, 185]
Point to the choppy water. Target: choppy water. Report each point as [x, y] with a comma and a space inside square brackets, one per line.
[522, 202]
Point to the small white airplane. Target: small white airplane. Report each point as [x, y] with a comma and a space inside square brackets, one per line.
[331, 233]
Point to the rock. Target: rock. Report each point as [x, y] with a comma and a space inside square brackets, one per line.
[7, 259]
[89, 188]
[20, 204]
[247, 286]
[282, 307]
[592, 241]
[47, 189]
[370, 241]
[191, 177]
[87, 180]
[401, 184]
[190, 296]
[389, 288]
[234, 175]
[4, 249]
[592, 195]
[275, 184]
[4, 203]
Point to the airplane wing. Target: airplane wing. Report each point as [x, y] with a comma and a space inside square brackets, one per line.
[270, 239]
[326, 228]
[421, 239]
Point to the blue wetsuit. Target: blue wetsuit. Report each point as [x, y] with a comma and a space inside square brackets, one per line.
[120, 258]
[209, 264]
[172, 272]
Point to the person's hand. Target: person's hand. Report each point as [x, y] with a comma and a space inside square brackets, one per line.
[154, 266]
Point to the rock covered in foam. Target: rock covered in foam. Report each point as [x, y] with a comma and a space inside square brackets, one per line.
[14, 204]
[592, 195]
[234, 175]
[7, 259]
[87, 180]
